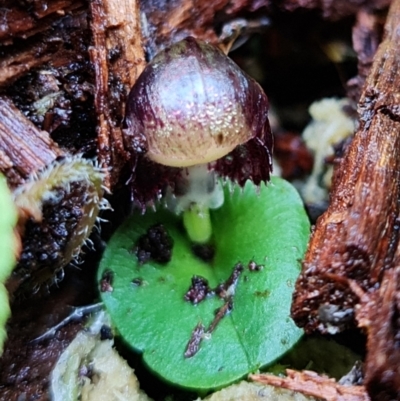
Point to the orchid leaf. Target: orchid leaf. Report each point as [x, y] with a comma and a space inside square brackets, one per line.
[266, 230]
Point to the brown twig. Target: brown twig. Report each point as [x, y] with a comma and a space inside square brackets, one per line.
[312, 384]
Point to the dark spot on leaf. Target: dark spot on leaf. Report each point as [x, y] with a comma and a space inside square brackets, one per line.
[263, 294]
[204, 252]
[106, 281]
[137, 281]
[220, 313]
[198, 290]
[227, 288]
[193, 345]
[254, 267]
[199, 333]
[155, 245]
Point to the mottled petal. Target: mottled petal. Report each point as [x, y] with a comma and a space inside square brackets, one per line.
[149, 180]
[250, 161]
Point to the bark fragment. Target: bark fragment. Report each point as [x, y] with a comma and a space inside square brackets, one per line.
[118, 59]
[367, 34]
[336, 9]
[170, 21]
[22, 21]
[311, 384]
[24, 149]
[382, 364]
[38, 41]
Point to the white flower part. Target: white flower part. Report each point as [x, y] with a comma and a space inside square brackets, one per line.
[329, 125]
[197, 185]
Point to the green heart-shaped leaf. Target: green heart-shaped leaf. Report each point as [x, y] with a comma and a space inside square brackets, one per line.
[146, 302]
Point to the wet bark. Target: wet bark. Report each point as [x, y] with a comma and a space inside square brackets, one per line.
[31, 37]
[367, 35]
[118, 59]
[23, 21]
[383, 325]
[350, 273]
[24, 148]
[357, 237]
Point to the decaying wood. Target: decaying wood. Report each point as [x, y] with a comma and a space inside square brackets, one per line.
[367, 35]
[311, 384]
[118, 59]
[15, 65]
[336, 9]
[44, 38]
[382, 377]
[358, 235]
[175, 20]
[352, 265]
[24, 148]
[170, 21]
[18, 20]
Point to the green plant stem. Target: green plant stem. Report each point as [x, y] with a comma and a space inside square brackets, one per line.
[197, 222]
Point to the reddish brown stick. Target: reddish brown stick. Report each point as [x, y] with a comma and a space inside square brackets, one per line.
[311, 384]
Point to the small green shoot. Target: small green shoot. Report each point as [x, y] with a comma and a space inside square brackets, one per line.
[197, 222]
